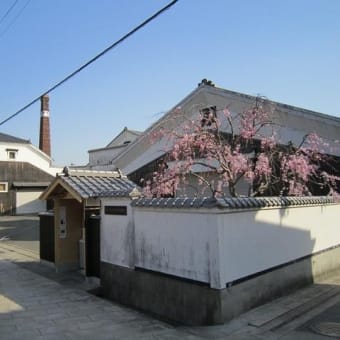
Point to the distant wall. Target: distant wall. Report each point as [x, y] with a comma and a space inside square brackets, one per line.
[104, 156]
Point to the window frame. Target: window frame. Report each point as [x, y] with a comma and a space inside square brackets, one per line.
[13, 152]
[120, 210]
[6, 187]
[206, 119]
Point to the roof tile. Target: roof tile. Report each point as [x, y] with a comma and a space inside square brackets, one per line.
[232, 203]
[95, 184]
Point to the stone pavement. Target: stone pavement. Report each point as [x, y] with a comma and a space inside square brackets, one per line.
[21, 231]
[36, 303]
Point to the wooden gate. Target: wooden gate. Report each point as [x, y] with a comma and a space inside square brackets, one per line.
[92, 246]
[46, 231]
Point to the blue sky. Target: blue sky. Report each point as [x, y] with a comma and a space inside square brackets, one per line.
[288, 51]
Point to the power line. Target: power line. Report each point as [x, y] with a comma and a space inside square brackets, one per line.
[15, 19]
[8, 11]
[154, 16]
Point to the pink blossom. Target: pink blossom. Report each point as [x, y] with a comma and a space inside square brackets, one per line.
[194, 146]
[227, 113]
[262, 166]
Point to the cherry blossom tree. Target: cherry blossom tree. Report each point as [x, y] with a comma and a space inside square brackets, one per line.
[220, 151]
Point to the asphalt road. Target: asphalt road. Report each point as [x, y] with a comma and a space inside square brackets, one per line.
[20, 231]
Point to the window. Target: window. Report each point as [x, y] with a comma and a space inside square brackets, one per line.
[208, 116]
[12, 154]
[115, 210]
[3, 187]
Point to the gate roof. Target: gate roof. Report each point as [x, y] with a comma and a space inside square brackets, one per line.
[84, 184]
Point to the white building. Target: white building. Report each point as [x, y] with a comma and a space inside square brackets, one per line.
[25, 171]
[291, 124]
[103, 158]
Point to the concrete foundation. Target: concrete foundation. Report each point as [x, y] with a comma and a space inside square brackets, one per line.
[194, 303]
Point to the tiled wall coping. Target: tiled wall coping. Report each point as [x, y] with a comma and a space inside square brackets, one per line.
[233, 203]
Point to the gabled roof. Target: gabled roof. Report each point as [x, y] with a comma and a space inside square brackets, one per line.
[123, 132]
[292, 123]
[4, 138]
[120, 141]
[84, 184]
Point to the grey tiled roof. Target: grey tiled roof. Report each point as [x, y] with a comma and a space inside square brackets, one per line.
[231, 203]
[11, 139]
[99, 184]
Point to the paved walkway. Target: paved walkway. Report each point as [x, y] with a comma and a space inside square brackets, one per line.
[21, 231]
[34, 304]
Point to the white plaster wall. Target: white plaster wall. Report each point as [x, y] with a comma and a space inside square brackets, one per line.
[219, 246]
[125, 136]
[252, 241]
[28, 202]
[180, 244]
[116, 234]
[104, 156]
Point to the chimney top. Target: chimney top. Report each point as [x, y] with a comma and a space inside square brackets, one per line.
[45, 138]
[45, 107]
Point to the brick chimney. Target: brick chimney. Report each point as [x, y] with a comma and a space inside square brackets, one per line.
[45, 139]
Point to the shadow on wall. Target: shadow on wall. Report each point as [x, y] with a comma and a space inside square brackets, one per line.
[255, 243]
[32, 206]
[189, 246]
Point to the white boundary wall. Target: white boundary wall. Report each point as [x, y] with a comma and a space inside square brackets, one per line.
[116, 234]
[219, 246]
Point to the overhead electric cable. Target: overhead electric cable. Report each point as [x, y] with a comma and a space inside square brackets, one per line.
[8, 11]
[15, 19]
[145, 22]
